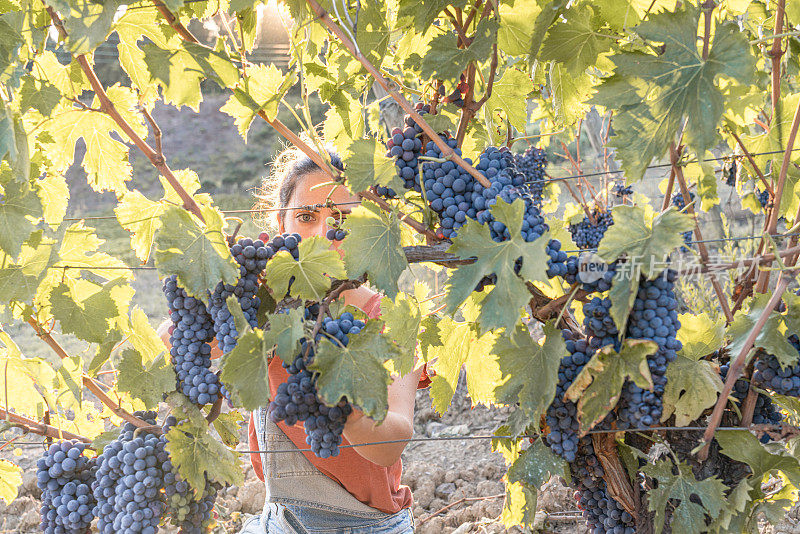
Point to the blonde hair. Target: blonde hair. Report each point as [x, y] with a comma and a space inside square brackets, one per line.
[277, 188]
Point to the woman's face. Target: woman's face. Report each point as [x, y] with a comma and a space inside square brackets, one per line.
[308, 192]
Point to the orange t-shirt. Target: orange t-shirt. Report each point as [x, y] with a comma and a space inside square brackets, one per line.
[370, 483]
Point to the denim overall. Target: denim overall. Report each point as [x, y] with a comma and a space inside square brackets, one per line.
[300, 499]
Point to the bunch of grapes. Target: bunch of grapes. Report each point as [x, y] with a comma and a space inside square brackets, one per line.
[64, 475]
[764, 413]
[600, 327]
[335, 234]
[620, 190]
[677, 201]
[405, 145]
[653, 317]
[768, 373]
[600, 285]
[192, 329]
[602, 512]
[531, 164]
[297, 399]
[129, 479]
[561, 415]
[448, 189]
[587, 234]
[730, 174]
[763, 197]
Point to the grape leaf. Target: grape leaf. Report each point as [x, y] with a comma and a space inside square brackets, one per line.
[644, 236]
[87, 23]
[19, 280]
[261, 90]
[312, 273]
[227, 426]
[445, 60]
[40, 95]
[68, 79]
[569, 94]
[143, 336]
[597, 387]
[536, 464]
[461, 346]
[180, 69]
[132, 27]
[145, 382]
[514, 33]
[79, 248]
[402, 318]
[199, 456]
[10, 42]
[25, 383]
[688, 515]
[20, 209]
[509, 94]
[574, 41]
[86, 309]
[373, 246]
[792, 315]
[356, 371]
[245, 370]
[547, 16]
[10, 480]
[141, 217]
[624, 287]
[422, 13]
[195, 251]
[692, 386]
[54, 196]
[742, 446]
[680, 84]
[771, 338]
[14, 143]
[367, 165]
[500, 308]
[519, 507]
[700, 335]
[530, 370]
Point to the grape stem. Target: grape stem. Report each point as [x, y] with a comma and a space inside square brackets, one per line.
[750, 159]
[40, 428]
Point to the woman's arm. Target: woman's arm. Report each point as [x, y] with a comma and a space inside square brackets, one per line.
[398, 424]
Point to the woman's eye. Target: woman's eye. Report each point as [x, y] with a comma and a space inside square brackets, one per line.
[305, 217]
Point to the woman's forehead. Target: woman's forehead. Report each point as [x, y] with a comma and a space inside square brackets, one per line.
[307, 193]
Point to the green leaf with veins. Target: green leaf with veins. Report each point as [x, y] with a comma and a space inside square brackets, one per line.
[569, 94]
[536, 464]
[40, 95]
[514, 32]
[530, 370]
[402, 318]
[771, 338]
[356, 371]
[19, 280]
[80, 248]
[54, 194]
[20, 211]
[133, 26]
[700, 335]
[574, 41]
[692, 387]
[500, 308]
[646, 237]
[143, 336]
[373, 247]
[245, 370]
[688, 515]
[742, 446]
[445, 60]
[519, 506]
[227, 426]
[147, 383]
[549, 13]
[598, 386]
[142, 218]
[195, 251]
[509, 94]
[86, 309]
[680, 85]
[366, 165]
[624, 287]
[261, 90]
[312, 273]
[423, 13]
[87, 23]
[462, 346]
[198, 456]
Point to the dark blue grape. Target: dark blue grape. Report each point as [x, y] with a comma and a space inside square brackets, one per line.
[64, 475]
[677, 201]
[587, 234]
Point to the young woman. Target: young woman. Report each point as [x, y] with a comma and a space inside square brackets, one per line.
[359, 490]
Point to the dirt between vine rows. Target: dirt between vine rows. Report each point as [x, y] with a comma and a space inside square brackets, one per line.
[462, 473]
